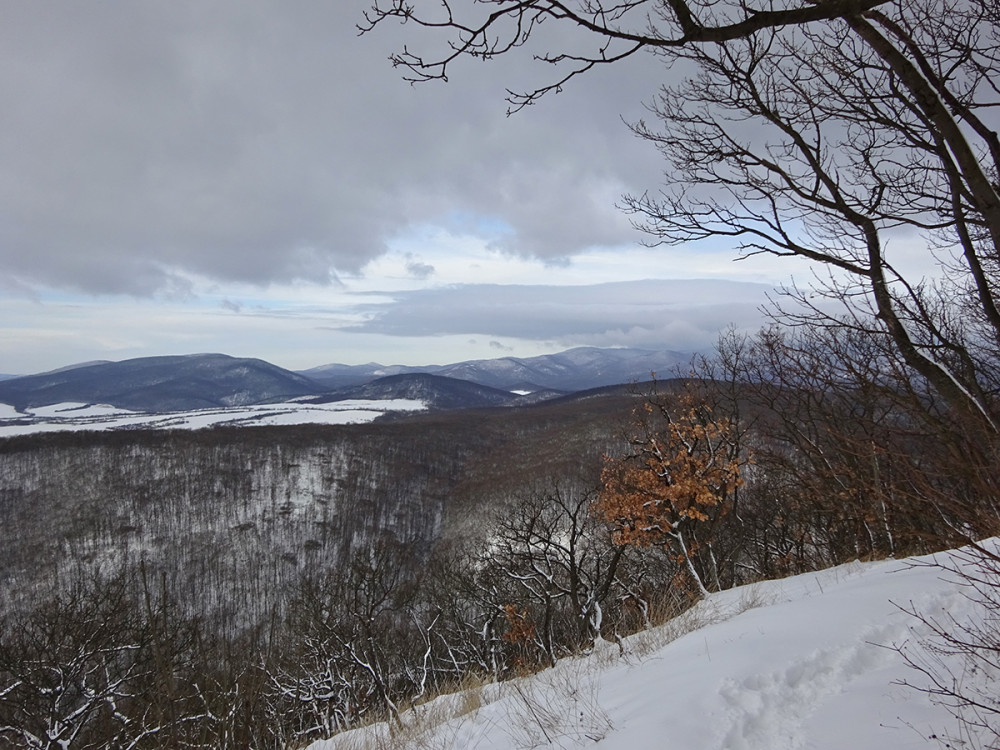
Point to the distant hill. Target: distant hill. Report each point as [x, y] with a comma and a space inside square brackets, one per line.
[161, 384]
[574, 370]
[437, 391]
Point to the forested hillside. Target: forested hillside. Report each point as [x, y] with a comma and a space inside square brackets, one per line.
[235, 516]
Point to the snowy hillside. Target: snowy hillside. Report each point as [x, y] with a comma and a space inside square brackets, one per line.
[805, 662]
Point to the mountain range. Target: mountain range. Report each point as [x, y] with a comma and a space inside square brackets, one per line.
[196, 381]
[573, 370]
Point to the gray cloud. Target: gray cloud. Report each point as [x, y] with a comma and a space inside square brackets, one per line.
[262, 141]
[419, 270]
[683, 314]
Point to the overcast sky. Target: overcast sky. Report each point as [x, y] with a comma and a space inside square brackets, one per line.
[251, 177]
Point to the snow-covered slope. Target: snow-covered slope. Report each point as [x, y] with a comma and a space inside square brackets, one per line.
[805, 662]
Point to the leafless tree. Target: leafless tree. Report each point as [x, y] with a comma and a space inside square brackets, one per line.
[73, 673]
[819, 129]
[607, 31]
[955, 653]
[832, 131]
[851, 145]
[361, 645]
[560, 558]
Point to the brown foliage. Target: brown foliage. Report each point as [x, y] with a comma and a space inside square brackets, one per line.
[680, 474]
[520, 628]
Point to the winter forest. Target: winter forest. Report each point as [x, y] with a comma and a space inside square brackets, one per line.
[272, 586]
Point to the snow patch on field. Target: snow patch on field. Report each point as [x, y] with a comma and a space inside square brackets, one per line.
[72, 410]
[75, 417]
[9, 412]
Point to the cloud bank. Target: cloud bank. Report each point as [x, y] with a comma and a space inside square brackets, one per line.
[686, 314]
[261, 141]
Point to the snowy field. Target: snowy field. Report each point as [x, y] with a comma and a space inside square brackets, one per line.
[802, 663]
[67, 417]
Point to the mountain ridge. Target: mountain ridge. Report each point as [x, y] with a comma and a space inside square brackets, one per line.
[437, 391]
[167, 383]
[198, 381]
[580, 368]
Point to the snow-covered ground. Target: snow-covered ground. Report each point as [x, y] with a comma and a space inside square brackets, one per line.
[65, 417]
[805, 662]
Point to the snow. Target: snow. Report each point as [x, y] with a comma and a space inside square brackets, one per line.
[76, 411]
[75, 417]
[805, 662]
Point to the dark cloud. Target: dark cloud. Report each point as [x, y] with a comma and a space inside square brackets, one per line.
[419, 270]
[684, 314]
[263, 141]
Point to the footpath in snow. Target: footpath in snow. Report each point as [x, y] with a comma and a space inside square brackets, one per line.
[804, 662]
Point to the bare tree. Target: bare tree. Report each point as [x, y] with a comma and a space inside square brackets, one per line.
[819, 129]
[832, 131]
[850, 145]
[73, 673]
[612, 31]
[955, 654]
[360, 645]
[560, 558]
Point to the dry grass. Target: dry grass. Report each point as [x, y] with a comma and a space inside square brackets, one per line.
[432, 724]
[559, 707]
[644, 643]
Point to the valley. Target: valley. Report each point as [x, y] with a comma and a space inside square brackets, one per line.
[234, 516]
